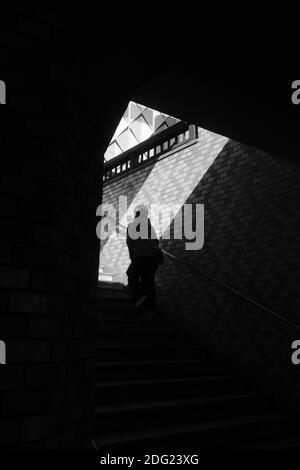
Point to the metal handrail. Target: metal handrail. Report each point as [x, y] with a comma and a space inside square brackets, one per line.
[140, 154]
[221, 283]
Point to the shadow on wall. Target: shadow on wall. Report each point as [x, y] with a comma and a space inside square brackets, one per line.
[251, 204]
[167, 182]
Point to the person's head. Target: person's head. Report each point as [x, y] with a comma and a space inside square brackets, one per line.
[140, 211]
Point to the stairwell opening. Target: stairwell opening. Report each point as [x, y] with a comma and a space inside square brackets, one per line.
[150, 161]
[228, 177]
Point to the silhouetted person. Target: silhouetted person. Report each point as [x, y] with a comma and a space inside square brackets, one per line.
[142, 244]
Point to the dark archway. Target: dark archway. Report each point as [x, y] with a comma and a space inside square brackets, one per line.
[67, 87]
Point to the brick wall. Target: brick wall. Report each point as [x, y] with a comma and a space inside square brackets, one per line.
[251, 202]
[49, 252]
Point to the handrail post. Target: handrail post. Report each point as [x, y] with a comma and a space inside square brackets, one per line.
[134, 160]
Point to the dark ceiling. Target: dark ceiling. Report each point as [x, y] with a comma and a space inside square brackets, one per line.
[243, 93]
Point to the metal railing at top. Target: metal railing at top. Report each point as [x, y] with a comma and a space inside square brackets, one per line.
[220, 283]
[157, 145]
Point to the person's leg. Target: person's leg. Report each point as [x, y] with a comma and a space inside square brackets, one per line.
[152, 290]
[148, 271]
[133, 276]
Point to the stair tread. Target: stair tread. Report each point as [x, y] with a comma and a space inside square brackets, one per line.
[175, 402]
[116, 328]
[285, 442]
[161, 341]
[161, 431]
[146, 346]
[158, 362]
[169, 380]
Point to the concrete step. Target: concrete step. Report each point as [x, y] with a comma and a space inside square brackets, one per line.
[112, 294]
[138, 329]
[157, 369]
[145, 415]
[124, 316]
[139, 333]
[149, 340]
[156, 352]
[133, 321]
[112, 285]
[116, 306]
[102, 276]
[289, 442]
[223, 433]
[139, 390]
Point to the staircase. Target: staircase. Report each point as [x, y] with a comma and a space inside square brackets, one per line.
[103, 276]
[157, 391]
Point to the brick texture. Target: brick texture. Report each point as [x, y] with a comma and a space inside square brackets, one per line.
[48, 248]
[251, 202]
